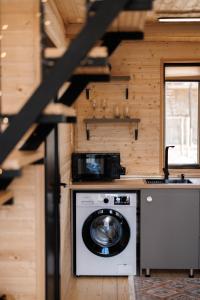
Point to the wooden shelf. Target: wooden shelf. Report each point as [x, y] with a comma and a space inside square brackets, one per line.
[93, 70]
[110, 120]
[5, 196]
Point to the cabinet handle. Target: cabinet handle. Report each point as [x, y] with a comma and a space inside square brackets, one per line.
[149, 199]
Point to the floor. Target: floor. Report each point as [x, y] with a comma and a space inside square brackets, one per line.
[100, 288]
[159, 288]
[162, 285]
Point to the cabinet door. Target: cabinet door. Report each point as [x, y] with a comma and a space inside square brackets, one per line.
[169, 228]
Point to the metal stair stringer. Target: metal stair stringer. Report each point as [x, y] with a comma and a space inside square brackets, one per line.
[92, 31]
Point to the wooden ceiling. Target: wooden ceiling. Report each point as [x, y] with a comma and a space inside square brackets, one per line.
[66, 17]
[73, 11]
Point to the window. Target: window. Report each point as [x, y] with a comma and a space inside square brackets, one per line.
[182, 114]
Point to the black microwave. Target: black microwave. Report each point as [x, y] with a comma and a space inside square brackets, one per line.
[96, 167]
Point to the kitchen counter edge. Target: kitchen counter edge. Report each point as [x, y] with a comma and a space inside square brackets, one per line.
[134, 184]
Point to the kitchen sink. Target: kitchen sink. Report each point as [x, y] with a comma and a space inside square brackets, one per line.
[168, 181]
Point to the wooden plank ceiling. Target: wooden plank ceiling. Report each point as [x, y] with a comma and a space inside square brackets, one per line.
[65, 18]
[73, 11]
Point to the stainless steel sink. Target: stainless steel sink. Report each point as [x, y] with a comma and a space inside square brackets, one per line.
[168, 181]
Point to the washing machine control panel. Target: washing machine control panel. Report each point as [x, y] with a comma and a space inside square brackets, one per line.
[122, 200]
[106, 199]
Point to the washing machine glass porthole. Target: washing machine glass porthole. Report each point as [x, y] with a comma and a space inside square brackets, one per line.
[106, 232]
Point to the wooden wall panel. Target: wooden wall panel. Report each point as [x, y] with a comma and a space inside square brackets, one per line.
[142, 61]
[172, 32]
[22, 225]
[21, 237]
[20, 42]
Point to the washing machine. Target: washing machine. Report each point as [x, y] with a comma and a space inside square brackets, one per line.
[104, 233]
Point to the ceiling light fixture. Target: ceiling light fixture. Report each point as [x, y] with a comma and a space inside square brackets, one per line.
[178, 19]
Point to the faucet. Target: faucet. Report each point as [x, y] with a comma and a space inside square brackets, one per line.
[166, 168]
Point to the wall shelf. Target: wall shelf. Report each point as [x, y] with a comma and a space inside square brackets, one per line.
[111, 120]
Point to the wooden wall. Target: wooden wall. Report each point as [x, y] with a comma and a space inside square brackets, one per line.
[142, 60]
[20, 76]
[21, 225]
[21, 251]
[20, 42]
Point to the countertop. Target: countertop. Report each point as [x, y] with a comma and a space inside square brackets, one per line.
[132, 184]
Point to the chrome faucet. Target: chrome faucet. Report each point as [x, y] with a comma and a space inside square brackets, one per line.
[166, 168]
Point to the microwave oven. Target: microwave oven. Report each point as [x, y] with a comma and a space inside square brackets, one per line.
[96, 167]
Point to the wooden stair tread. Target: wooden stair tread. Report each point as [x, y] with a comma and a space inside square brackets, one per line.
[59, 109]
[4, 197]
[18, 159]
[96, 52]
[52, 109]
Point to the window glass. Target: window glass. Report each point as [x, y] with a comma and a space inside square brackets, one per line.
[181, 72]
[181, 121]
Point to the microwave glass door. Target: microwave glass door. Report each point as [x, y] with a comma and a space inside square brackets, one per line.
[91, 166]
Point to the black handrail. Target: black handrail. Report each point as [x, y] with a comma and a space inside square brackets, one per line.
[92, 31]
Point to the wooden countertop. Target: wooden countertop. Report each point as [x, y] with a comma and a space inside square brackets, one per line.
[132, 184]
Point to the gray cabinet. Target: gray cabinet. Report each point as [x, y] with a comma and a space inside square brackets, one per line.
[169, 229]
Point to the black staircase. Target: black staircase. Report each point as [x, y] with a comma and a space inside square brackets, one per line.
[93, 30]
[100, 15]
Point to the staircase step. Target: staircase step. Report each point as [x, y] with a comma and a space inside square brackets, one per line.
[59, 109]
[58, 113]
[53, 113]
[4, 197]
[96, 52]
[94, 63]
[19, 159]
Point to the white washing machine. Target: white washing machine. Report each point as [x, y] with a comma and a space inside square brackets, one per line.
[104, 232]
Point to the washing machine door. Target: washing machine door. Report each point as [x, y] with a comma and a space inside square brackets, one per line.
[106, 232]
